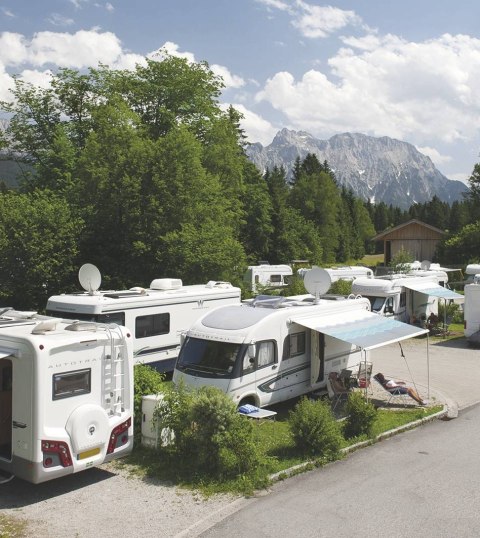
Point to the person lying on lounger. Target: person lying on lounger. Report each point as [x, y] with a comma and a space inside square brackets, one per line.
[398, 387]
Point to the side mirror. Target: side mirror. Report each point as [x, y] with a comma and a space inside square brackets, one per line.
[252, 352]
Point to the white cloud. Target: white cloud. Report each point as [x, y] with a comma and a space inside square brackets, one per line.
[321, 21]
[59, 20]
[7, 12]
[276, 4]
[387, 86]
[109, 7]
[435, 155]
[13, 49]
[230, 80]
[256, 128]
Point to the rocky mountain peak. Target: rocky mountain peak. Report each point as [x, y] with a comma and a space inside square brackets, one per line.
[376, 169]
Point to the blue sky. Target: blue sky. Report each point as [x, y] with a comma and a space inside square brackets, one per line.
[409, 70]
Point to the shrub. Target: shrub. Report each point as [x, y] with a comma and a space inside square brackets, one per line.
[314, 429]
[210, 436]
[146, 381]
[341, 287]
[360, 416]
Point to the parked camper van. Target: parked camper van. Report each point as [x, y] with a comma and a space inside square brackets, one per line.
[405, 297]
[66, 395]
[272, 349]
[156, 316]
[268, 276]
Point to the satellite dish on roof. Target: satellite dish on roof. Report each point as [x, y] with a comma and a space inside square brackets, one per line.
[317, 282]
[90, 278]
[425, 265]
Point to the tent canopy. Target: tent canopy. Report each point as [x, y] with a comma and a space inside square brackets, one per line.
[435, 290]
[361, 328]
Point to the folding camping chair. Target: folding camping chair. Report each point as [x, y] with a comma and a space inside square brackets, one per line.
[394, 394]
[337, 392]
[362, 374]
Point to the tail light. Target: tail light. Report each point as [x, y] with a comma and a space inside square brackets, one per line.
[119, 436]
[54, 452]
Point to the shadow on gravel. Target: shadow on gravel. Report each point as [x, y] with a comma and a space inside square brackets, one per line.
[457, 343]
[18, 493]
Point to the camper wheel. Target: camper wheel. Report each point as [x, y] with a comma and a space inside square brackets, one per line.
[251, 400]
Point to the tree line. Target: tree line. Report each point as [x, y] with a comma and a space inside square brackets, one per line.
[144, 174]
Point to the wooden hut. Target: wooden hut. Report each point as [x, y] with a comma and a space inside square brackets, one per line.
[416, 237]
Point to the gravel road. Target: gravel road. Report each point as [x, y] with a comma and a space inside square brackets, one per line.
[107, 500]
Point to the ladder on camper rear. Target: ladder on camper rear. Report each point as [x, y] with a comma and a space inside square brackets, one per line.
[114, 379]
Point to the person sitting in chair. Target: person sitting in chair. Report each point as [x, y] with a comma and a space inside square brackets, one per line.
[337, 383]
[398, 387]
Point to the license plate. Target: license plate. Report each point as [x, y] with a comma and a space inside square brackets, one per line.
[88, 454]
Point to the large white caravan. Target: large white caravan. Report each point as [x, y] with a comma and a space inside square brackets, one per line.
[156, 316]
[272, 349]
[66, 395]
[405, 297]
[267, 276]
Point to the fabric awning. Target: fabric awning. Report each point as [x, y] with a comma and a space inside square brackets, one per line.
[435, 290]
[361, 328]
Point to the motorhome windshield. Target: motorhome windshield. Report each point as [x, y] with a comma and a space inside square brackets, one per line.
[209, 358]
[377, 303]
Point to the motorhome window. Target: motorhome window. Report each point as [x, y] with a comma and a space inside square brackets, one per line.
[403, 299]
[210, 358]
[152, 325]
[265, 354]
[113, 317]
[68, 384]
[296, 344]
[377, 303]
[276, 278]
[389, 305]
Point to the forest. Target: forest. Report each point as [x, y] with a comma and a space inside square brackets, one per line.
[144, 174]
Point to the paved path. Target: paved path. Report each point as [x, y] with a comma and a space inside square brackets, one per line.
[451, 370]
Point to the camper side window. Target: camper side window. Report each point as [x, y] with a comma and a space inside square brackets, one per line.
[265, 354]
[152, 325]
[296, 344]
[403, 299]
[68, 384]
[276, 279]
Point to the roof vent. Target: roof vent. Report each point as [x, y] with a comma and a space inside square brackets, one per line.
[166, 284]
[217, 284]
[45, 326]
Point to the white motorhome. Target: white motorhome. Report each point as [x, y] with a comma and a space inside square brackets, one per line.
[66, 395]
[267, 276]
[405, 297]
[272, 349]
[345, 272]
[156, 316]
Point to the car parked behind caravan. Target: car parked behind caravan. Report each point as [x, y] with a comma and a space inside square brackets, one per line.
[66, 395]
[156, 316]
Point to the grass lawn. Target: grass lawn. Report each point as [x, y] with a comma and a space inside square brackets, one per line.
[276, 445]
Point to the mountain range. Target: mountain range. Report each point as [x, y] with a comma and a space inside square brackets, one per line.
[376, 169]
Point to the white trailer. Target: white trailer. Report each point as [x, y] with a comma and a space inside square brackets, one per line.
[344, 272]
[66, 395]
[269, 350]
[405, 297]
[267, 276]
[472, 310]
[156, 316]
